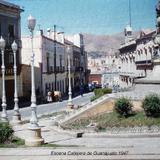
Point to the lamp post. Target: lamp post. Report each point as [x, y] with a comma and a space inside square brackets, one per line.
[4, 105]
[33, 120]
[16, 116]
[70, 103]
[35, 138]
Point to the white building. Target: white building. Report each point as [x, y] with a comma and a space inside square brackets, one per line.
[107, 66]
[51, 63]
[136, 56]
[45, 69]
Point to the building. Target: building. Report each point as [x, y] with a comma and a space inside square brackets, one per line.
[80, 56]
[95, 79]
[10, 30]
[145, 54]
[127, 57]
[51, 64]
[104, 70]
[138, 58]
[45, 70]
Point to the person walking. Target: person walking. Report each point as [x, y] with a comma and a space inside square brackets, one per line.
[81, 90]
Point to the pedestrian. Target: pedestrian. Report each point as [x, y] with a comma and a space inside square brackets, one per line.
[81, 90]
[49, 97]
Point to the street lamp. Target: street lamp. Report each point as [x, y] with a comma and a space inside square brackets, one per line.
[33, 120]
[4, 105]
[35, 138]
[70, 103]
[16, 116]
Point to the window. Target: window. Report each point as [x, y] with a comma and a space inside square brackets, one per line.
[46, 88]
[10, 61]
[60, 58]
[0, 30]
[11, 30]
[48, 69]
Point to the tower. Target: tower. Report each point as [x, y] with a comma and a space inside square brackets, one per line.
[128, 29]
[128, 33]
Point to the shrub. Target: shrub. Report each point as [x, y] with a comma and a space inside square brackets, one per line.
[123, 107]
[6, 132]
[151, 105]
[98, 92]
[107, 90]
[102, 91]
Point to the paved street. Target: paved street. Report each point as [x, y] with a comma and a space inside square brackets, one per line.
[53, 107]
[138, 92]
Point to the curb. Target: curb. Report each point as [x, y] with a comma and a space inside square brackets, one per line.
[135, 135]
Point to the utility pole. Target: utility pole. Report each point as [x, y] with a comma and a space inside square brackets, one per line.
[55, 67]
[130, 18]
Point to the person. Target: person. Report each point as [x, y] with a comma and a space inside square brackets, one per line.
[90, 87]
[81, 90]
[49, 97]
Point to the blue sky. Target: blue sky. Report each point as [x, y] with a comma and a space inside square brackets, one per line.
[88, 16]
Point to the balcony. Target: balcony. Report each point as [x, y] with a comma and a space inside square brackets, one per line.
[9, 70]
[145, 64]
[56, 70]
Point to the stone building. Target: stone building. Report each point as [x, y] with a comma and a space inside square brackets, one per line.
[51, 64]
[145, 54]
[137, 56]
[127, 58]
[45, 70]
[10, 30]
[104, 70]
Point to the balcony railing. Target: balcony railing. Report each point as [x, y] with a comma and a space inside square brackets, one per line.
[10, 72]
[58, 69]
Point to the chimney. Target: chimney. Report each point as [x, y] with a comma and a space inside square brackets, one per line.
[41, 32]
[48, 32]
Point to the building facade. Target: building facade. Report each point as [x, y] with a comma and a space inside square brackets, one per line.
[137, 56]
[51, 64]
[10, 30]
[104, 70]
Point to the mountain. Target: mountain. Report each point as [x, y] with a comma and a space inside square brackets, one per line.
[104, 44]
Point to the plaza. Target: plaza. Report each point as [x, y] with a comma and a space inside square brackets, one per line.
[46, 71]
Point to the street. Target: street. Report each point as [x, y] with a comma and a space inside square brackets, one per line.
[52, 107]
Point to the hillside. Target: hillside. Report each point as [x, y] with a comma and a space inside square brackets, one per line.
[104, 44]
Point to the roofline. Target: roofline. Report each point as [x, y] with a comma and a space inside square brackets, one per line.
[12, 5]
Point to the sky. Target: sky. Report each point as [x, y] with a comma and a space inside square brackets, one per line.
[88, 16]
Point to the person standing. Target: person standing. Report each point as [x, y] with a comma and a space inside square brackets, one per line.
[81, 90]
